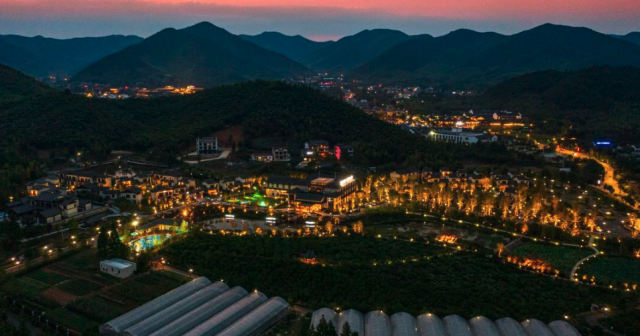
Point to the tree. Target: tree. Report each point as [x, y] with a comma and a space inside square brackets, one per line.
[346, 330]
[324, 328]
[500, 248]
[143, 262]
[73, 226]
[115, 247]
[103, 241]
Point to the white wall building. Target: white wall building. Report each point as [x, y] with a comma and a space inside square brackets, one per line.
[118, 267]
[457, 135]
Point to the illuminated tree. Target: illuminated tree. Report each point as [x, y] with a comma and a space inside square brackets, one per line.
[328, 227]
[500, 248]
[357, 227]
[485, 183]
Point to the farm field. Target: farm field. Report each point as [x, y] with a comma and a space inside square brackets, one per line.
[562, 258]
[612, 270]
[75, 294]
[443, 284]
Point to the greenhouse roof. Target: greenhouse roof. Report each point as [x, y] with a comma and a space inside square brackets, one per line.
[377, 323]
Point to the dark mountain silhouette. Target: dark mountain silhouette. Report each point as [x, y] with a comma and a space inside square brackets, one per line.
[203, 55]
[631, 37]
[351, 51]
[294, 47]
[40, 56]
[469, 59]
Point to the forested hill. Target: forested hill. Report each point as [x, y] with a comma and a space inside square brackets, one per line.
[466, 59]
[41, 56]
[15, 85]
[600, 102]
[351, 51]
[202, 55]
[165, 125]
[294, 47]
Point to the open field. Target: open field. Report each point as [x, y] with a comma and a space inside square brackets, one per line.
[465, 284]
[613, 270]
[562, 258]
[83, 297]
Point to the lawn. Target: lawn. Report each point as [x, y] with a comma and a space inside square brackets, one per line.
[613, 270]
[465, 284]
[562, 258]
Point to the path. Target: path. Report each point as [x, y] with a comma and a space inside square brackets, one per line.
[162, 267]
[575, 267]
[609, 172]
[224, 155]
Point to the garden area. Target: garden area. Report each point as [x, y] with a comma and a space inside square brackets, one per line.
[75, 294]
[562, 258]
[443, 283]
[613, 270]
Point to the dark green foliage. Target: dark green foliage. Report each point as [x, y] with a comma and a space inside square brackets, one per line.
[110, 245]
[202, 55]
[143, 262]
[294, 47]
[346, 330]
[264, 109]
[323, 328]
[15, 85]
[465, 59]
[103, 243]
[626, 322]
[469, 285]
[598, 103]
[591, 171]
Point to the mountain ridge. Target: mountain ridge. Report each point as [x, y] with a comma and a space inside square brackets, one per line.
[202, 54]
[544, 47]
[295, 47]
[62, 57]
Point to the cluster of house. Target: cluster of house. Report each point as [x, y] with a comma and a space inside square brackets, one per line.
[312, 149]
[277, 154]
[48, 201]
[314, 193]
[105, 92]
[506, 183]
[323, 149]
[69, 193]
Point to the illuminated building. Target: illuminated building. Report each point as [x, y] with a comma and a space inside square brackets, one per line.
[457, 135]
[314, 193]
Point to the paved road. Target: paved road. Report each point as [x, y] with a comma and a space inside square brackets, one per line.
[609, 172]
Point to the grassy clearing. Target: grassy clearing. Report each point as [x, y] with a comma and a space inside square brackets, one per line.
[562, 258]
[613, 270]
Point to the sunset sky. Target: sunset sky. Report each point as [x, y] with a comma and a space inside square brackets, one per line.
[316, 19]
